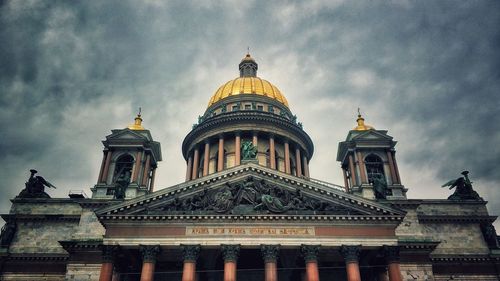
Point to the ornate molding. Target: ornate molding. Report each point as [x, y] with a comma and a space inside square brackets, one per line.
[191, 252]
[455, 218]
[350, 253]
[391, 253]
[149, 252]
[310, 252]
[109, 252]
[230, 253]
[270, 253]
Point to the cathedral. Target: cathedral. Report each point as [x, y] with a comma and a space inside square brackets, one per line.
[248, 209]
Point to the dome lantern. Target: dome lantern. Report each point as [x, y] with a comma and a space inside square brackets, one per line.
[248, 67]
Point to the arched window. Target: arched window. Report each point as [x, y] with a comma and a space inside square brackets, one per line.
[374, 167]
[200, 166]
[293, 167]
[123, 167]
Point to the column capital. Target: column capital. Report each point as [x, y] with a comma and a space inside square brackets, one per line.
[391, 253]
[350, 252]
[149, 252]
[310, 252]
[109, 252]
[230, 252]
[191, 252]
[270, 252]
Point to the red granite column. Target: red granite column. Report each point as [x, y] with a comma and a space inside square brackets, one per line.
[394, 178]
[270, 256]
[196, 162]
[353, 171]
[206, 161]
[298, 162]
[220, 160]
[99, 179]
[310, 253]
[361, 164]
[106, 167]
[191, 253]
[145, 175]
[351, 257]
[346, 182]
[230, 254]
[149, 255]
[137, 167]
[188, 169]
[237, 149]
[108, 256]
[392, 257]
[306, 166]
[272, 155]
[287, 157]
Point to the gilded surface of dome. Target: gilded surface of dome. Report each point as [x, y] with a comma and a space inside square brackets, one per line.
[248, 85]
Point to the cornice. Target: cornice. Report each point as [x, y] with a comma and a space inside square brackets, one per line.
[455, 219]
[38, 257]
[41, 217]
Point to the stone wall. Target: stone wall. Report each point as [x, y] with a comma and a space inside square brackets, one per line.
[418, 272]
[83, 272]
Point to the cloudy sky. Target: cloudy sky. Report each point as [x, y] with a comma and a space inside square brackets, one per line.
[427, 71]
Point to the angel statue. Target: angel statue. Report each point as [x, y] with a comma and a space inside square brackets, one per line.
[463, 189]
[35, 187]
[248, 150]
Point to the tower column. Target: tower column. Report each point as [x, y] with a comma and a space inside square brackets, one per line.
[152, 182]
[189, 165]
[237, 149]
[108, 256]
[149, 255]
[392, 257]
[287, 157]
[310, 253]
[306, 166]
[254, 139]
[396, 166]
[394, 178]
[346, 182]
[270, 256]
[191, 253]
[230, 254]
[103, 162]
[220, 160]
[353, 171]
[351, 257]
[145, 175]
[362, 170]
[196, 161]
[272, 154]
[298, 162]
[137, 165]
[106, 167]
[206, 162]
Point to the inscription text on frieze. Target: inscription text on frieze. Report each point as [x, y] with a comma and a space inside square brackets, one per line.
[262, 231]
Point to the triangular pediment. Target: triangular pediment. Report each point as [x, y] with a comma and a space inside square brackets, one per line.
[372, 135]
[250, 189]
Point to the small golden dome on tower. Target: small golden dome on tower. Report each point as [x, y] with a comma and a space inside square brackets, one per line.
[137, 122]
[247, 58]
[361, 124]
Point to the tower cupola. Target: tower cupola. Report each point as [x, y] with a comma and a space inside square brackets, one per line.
[248, 67]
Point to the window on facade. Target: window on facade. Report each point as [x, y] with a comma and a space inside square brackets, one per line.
[248, 106]
[260, 107]
[374, 167]
[236, 108]
[123, 167]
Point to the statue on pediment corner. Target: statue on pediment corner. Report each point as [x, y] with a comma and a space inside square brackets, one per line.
[35, 187]
[463, 188]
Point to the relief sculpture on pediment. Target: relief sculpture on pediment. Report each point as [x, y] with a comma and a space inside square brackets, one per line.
[253, 196]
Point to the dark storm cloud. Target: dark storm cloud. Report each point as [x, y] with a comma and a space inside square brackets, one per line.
[428, 71]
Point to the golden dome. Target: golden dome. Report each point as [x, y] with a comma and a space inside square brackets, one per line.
[361, 124]
[137, 123]
[248, 85]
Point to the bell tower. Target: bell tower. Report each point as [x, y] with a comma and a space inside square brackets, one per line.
[129, 163]
[368, 162]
